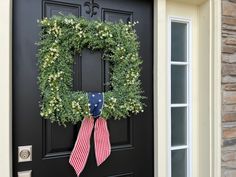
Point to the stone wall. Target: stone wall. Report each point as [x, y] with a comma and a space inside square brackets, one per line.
[228, 88]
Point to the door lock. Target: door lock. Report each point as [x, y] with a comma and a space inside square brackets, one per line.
[25, 153]
[24, 173]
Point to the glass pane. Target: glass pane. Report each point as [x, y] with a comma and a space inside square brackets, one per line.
[178, 41]
[178, 126]
[178, 84]
[179, 163]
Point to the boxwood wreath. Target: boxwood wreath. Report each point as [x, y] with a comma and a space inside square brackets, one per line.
[63, 36]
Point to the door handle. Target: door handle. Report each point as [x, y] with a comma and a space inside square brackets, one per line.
[24, 173]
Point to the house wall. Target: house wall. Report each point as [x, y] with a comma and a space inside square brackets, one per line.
[160, 53]
[228, 88]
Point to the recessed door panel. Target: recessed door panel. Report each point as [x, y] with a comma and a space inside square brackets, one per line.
[124, 138]
[53, 143]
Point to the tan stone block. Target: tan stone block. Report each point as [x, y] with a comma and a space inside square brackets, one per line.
[229, 148]
[229, 133]
[229, 108]
[228, 49]
[229, 117]
[229, 97]
[228, 125]
[228, 33]
[228, 8]
[229, 28]
[230, 41]
[228, 79]
[229, 69]
[230, 87]
[229, 164]
[229, 58]
[229, 173]
[228, 156]
[229, 21]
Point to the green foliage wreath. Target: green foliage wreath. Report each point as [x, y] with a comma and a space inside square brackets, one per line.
[61, 37]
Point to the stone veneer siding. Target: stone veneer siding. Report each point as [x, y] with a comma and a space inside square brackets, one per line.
[228, 156]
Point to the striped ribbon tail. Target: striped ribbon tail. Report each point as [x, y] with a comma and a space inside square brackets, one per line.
[80, 152]
[101, 141]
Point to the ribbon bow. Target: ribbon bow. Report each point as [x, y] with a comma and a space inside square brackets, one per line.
[80, 152]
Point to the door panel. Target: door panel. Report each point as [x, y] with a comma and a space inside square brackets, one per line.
[131, 139]
[51, 8]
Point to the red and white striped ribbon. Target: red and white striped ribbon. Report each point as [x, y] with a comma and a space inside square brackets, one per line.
[101, 141]
[80, 152]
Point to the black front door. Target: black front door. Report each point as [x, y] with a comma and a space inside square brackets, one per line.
[132, 139]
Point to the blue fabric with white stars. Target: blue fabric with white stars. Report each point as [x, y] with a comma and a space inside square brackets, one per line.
[95, 103]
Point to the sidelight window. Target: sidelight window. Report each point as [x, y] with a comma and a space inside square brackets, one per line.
[179, 99]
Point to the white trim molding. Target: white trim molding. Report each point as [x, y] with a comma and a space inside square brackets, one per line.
[5, 88]
[160, 91]
[216, 103]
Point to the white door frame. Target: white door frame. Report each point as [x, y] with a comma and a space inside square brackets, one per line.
[160, 94]
[5, 88]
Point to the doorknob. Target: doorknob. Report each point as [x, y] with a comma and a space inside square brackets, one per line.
[24, 173]
[25, 153]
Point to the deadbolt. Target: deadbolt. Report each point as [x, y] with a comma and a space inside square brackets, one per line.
[25, 153]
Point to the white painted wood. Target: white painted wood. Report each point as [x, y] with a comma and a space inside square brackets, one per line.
[5, 88]
[160, 89]
[178, 63]
[178, 105]
[189, 92]
[215, 11]
[178, 147]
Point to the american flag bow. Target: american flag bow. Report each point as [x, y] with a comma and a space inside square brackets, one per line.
[80, 152]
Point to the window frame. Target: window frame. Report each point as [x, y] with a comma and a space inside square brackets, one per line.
[188, 104]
